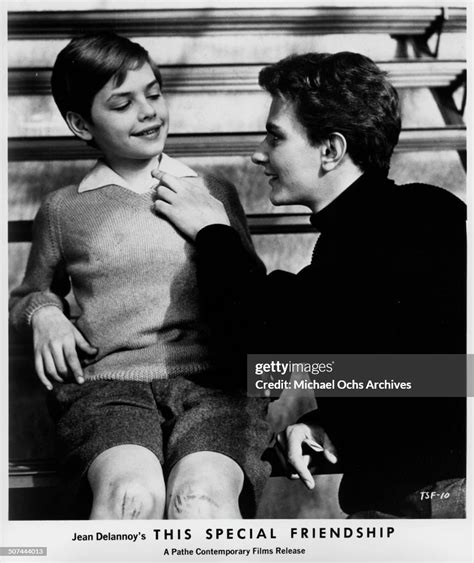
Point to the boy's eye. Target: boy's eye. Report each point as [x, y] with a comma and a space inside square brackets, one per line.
[272, 139]
[154, 95]
[121, 107]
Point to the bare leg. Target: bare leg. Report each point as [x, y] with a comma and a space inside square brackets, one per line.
[127, 483]
[205, 485]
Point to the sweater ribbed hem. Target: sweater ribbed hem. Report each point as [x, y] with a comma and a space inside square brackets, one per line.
[146, 374]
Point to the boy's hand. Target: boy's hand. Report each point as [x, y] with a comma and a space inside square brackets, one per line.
[187, 203]
[55, 342]
[313, 437]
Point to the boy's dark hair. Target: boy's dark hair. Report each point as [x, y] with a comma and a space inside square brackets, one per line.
[87, 63]
[345, 93]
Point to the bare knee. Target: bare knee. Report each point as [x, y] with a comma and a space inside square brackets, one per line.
[194, 500]
[204, 485]
[127, 498]
[127, 483]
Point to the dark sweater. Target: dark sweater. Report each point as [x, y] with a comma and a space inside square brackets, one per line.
[388, 276]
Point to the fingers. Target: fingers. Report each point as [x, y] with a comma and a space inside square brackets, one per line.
[58, 364]
[299, 437]
[330, 451]
[40, 372]
[306, 460]
[164, 193]
[66, 360]
[323, 444]
[44, 360]
[72, 357]
[74, 365]
[296, 438]
[167, 180]
[166, 196]
[56, 342]
[158, 174]
[171, 183]
[50, 366]
[82, 343]
[315, 446]
[61, 359]
[291, 442]
[164, 208]
[330, 456]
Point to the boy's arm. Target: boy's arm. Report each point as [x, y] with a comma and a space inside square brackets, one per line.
[38, 306]
[45, 282]
[226, 192]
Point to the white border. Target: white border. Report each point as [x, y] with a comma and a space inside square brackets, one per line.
[413, 540]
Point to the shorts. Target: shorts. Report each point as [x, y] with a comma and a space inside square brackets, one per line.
[172, 418]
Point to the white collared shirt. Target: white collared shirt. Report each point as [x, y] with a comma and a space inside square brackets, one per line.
[102, 175]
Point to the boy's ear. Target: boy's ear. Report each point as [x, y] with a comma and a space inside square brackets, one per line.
[333, 150]
[79, 126]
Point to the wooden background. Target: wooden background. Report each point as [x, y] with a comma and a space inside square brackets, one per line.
[210, 55]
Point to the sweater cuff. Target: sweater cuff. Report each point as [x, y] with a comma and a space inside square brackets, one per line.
[40, 302]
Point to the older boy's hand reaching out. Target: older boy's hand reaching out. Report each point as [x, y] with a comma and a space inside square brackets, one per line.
[187, 203]
[315, 439]
[55, 342]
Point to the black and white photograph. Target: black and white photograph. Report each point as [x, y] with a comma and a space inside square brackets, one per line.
[237, 304]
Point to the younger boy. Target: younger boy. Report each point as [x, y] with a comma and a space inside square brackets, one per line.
[138, 397]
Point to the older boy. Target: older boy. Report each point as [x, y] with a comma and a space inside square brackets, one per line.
[149, 402]
[387, 276]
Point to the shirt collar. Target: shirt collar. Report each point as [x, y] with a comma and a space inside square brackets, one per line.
[354, 204]
[176, 167]
[102, 175]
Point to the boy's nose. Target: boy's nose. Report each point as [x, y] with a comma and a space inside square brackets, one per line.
[260, 155]
[147, 110]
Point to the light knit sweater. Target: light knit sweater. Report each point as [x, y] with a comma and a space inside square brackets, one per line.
[133, 277]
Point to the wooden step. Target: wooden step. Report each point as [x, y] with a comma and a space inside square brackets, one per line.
[238, 78]
[208, 144]
[400, 19]
[32, 473]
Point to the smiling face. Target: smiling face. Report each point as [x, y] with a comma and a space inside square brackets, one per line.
[130, 122]
[292, 164]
